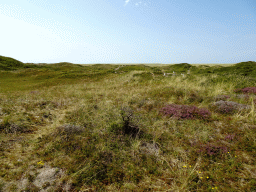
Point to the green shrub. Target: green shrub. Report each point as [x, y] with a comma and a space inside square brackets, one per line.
[144, 75]
[156, 70]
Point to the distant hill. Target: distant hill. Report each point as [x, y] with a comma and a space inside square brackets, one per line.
[247, 68]
[8, 63]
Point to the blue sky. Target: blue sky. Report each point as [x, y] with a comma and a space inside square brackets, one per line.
[128, 31]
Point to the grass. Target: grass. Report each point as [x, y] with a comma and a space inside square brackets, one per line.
[71, 127]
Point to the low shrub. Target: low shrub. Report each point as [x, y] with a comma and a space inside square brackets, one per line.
[227, 107]
[211, 149]
[249, 90]
[246, 90]
[185, 112]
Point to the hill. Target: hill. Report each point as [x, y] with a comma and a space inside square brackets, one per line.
[8, 63]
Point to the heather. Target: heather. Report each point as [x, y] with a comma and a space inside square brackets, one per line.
[109, 127]
[246, 90]
[185, 112]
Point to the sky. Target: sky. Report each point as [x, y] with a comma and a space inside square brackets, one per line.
[128, 31]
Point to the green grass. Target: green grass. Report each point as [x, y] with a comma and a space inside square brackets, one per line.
[103, 131]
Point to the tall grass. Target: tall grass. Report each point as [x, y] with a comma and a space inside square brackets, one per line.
[91, 129]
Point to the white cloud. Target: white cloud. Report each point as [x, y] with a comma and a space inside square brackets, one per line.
[138, 3]
[126, 2]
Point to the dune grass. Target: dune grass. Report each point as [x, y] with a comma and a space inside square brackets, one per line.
[94, 128]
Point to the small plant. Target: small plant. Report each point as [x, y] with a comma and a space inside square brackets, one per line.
[185, 112]
[40, 163]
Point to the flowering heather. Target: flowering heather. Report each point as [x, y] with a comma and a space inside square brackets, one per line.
[249, 90]
[227, 107]
[185, 112]
[246, 90]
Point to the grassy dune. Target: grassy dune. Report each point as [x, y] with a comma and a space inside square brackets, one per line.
[67, 127]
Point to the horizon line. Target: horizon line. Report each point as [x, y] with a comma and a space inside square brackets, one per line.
[136, 63]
